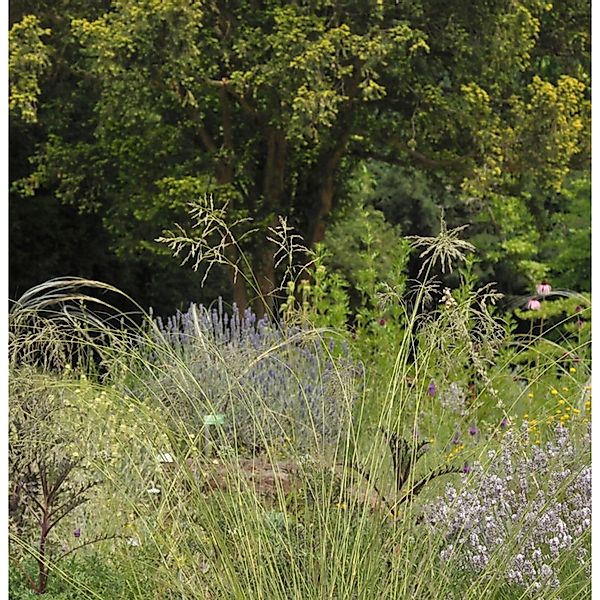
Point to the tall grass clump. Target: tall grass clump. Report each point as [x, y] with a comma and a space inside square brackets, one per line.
[215, 454]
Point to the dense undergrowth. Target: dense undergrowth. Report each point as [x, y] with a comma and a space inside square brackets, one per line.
[423, 449]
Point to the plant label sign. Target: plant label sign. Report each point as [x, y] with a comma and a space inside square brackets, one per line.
[218, 419]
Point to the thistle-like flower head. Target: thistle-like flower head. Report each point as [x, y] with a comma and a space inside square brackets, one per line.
[543, 288]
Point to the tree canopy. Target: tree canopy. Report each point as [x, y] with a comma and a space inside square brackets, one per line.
[129, 110]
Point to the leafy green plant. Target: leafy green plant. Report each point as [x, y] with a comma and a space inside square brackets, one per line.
[47, 482]
[285, 521]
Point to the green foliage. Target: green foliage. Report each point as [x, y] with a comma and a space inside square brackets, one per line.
[47, 481]
[363, 248]
[29, 59]
[272, 107]
[566, 246]
[229, 525]
[80, 577]
[130, 111]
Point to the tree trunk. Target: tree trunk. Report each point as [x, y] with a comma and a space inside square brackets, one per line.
[273, 189]
[332, 156]
[238, 283]
[265, 278]
[224, 174]
[325, 207]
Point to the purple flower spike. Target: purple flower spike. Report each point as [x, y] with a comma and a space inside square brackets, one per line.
[456, 438]
[467, 468]
[77, 532]
[473, 431]
[431, 388]
[382, 322]
[504, 423]
[534, 304]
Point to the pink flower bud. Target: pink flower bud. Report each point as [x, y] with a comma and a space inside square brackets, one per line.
[544, 288]
[534, 304]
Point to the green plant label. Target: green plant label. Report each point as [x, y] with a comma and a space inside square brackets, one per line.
[218, 419]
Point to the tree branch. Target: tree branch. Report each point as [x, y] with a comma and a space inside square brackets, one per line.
[412, 157]
[206, 138]
[82, 490]
[226, 84]
[65, 468]
[67, 507]
[34, 499]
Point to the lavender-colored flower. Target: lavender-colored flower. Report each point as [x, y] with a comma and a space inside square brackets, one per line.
[534, 304]
[431, 388]
[77, 532]
[309, 381]
[473, 430]
[518, 505]
[544, 288]
[504, 423]
[453, 398]
[456, 438]
[467, 468]
[578, 308]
